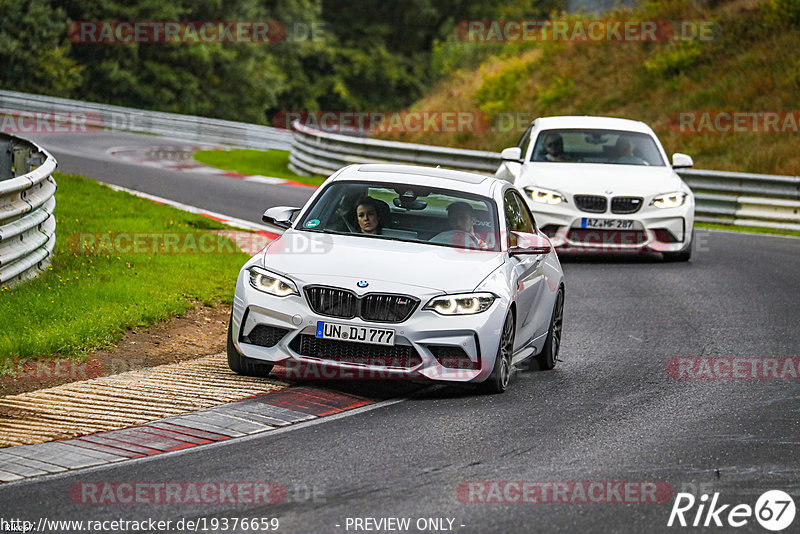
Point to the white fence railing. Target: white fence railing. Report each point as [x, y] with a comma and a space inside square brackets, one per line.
[27, 223]
[724, 197]
[187, 127]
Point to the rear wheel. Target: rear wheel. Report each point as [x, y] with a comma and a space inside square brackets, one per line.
[501, 373]
[242, 365]
[547, 359]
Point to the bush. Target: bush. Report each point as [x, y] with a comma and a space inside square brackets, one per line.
[560, 88]
[678, 58]
[782, 12]
[499, 88]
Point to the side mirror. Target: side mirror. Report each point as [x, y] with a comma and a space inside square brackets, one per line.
[280, 216]
[513, 153]
[524, 243]
[681, 161]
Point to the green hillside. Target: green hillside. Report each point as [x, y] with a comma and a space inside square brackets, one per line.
[749, 62]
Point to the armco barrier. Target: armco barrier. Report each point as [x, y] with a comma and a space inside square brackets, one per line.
[185, 127]
[317, 152]
[27, 223]
[723, 197]
[726, 197]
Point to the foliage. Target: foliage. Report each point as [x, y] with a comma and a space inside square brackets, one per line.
[559, 89]
[502, 84]
[34, 49]
[357, 56]
[678, 58]
[782, 12]
[749, 63]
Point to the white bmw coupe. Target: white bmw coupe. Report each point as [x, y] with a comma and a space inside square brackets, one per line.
[600, 184]
[402, 272]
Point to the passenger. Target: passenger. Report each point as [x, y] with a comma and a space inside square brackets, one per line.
[625, 154]
[368, 216]
[461, 217]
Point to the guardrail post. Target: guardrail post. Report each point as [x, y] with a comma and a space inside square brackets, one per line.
[6, 162]
[21, 165]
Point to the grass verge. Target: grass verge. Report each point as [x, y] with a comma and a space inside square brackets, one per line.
[748, 229]
[274, 163]
[101, 282]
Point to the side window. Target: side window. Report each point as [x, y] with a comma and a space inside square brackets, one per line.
[518, 217]
[513, 215]
[527, 216]
[524, 141]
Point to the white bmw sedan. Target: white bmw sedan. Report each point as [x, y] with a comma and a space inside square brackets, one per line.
[396, 271]
[600, 184]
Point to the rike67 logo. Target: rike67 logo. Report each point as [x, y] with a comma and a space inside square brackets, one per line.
[774, 510]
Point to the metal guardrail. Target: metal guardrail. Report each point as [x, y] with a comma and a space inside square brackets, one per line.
[743, 199]
[322, 153]
[27, 223]
[184, 127]
[725, 197]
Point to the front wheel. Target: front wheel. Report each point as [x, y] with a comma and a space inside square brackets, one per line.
[549, 356]
[501, 373]
[242, 365]
[681, 255]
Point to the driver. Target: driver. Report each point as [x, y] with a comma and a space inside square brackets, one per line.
[554, 148]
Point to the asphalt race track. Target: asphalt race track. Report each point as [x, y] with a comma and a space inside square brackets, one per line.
[608, 412]
[88, 154]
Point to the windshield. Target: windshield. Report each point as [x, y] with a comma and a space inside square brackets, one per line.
[405, 213]
[596, 146]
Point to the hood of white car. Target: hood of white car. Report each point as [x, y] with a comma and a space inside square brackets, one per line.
[601, 179]
[386, 265]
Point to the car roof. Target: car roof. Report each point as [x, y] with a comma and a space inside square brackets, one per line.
[419, 175]
[600, 123]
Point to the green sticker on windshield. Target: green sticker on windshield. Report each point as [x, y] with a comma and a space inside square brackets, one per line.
[312, 223]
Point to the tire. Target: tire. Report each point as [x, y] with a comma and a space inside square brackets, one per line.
[242, 365]
[682, 255]
[547, 359]
[501, 373]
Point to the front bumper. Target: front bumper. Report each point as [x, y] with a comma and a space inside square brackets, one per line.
[653, 229]
[475, 336]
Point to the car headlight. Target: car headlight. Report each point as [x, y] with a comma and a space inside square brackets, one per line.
[545, 196]
[461, 304]
[271, 283]
[669, 200]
